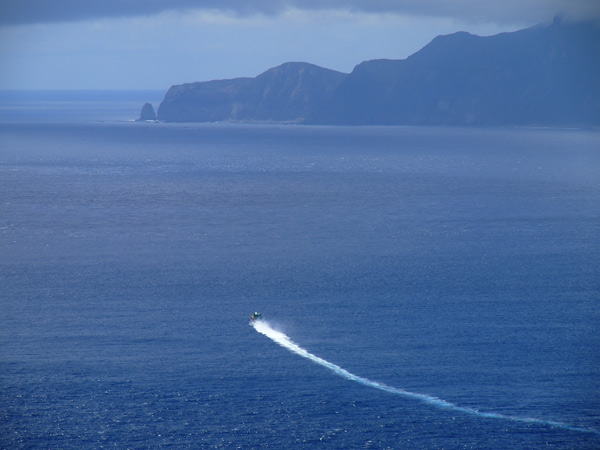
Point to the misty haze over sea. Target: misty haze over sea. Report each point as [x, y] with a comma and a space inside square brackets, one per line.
[74, 105]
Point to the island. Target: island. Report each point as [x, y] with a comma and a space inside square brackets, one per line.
[546, 75]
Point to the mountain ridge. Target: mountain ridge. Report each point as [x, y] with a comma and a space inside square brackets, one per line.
[543, 75]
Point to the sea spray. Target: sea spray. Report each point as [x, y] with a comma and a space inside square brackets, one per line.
[282, 339]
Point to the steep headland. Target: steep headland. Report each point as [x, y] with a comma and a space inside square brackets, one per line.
[290, 93]
[544, 75]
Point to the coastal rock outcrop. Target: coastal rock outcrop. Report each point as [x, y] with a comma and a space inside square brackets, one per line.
[147, 113]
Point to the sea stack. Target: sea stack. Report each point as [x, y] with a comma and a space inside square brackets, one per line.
[147, 113]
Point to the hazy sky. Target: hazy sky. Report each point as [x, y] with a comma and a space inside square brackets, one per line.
[153, 44]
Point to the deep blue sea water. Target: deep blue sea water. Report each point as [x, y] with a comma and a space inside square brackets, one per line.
[460, 264]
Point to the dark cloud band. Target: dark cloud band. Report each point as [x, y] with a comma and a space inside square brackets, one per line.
[15, 12]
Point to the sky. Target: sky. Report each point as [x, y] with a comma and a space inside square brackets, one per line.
[153, 44]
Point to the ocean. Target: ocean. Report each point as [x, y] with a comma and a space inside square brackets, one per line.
[421, 287]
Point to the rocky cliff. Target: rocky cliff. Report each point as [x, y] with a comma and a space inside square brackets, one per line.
[287, 93]
[544, 75]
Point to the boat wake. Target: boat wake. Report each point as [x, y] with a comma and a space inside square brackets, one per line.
[282, 339]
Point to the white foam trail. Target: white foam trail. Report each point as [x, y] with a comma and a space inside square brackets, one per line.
[282, 339]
